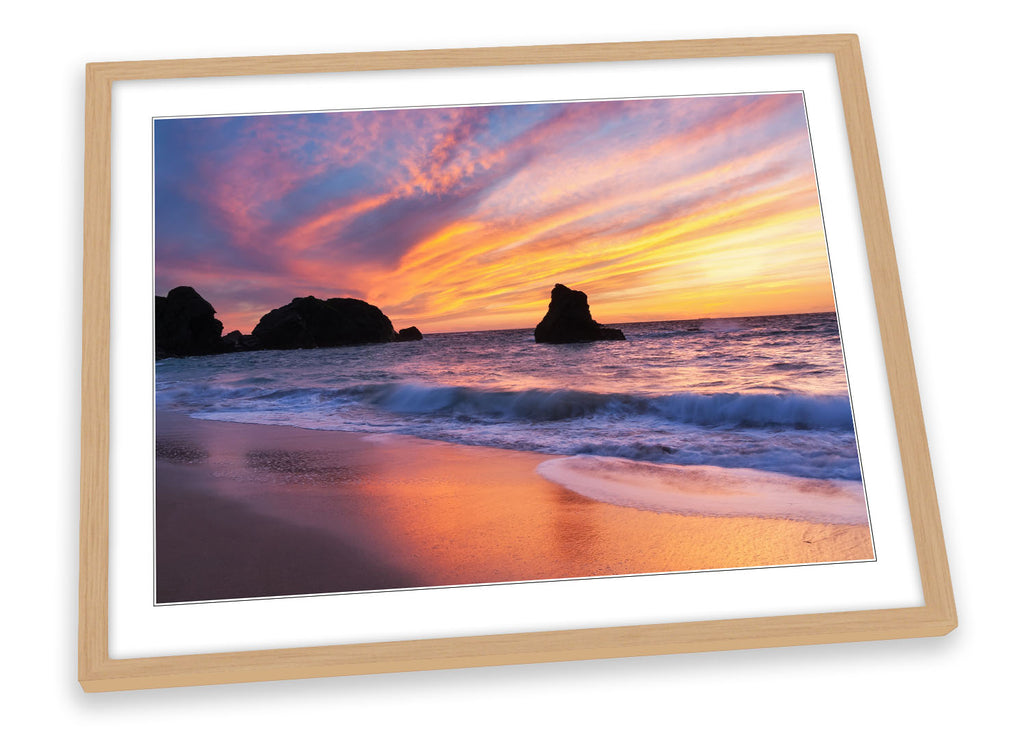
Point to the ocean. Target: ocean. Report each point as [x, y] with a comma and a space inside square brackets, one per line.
[762, 393]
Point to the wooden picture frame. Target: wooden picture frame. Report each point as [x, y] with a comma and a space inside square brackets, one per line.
[98, 671]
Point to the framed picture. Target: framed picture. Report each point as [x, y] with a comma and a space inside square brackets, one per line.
[437, 359]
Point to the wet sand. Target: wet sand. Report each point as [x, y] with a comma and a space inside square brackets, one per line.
[256, 510]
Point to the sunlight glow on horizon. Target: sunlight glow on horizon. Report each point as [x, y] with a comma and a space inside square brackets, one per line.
[457, 219]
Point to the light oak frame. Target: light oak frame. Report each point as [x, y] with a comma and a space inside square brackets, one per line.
[97, 671]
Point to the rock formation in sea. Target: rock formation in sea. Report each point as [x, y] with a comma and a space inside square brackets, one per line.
[185, 325]
[235, 341]
[308, 322]
[568, 320]
[411, 333]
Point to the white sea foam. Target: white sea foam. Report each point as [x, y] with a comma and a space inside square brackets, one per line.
[708, 490]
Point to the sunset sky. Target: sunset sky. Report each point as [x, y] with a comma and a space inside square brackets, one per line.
[464, 218]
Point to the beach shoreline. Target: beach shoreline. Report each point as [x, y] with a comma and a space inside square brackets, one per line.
[251, 511]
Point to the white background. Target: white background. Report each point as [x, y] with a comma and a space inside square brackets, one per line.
[943, 93]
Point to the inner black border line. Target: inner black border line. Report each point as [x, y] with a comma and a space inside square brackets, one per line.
[821, 215]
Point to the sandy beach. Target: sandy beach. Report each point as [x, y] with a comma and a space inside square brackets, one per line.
[255, 510]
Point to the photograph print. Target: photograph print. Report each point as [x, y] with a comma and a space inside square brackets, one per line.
[452, 346]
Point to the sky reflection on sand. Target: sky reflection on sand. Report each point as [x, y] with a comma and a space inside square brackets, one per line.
[448, 515]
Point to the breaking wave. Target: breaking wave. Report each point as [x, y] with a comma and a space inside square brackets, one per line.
[754, 410]
[767, 393]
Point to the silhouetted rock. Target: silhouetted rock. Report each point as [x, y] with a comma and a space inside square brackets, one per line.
[185, 325]
[308, 322]
[235, 341]
[412, 333]
[568, 320]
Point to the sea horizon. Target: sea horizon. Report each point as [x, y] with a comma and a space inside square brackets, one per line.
[613, 323]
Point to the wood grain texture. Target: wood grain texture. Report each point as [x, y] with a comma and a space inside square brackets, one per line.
[94, 520]
[98, 672]
[495, 56]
